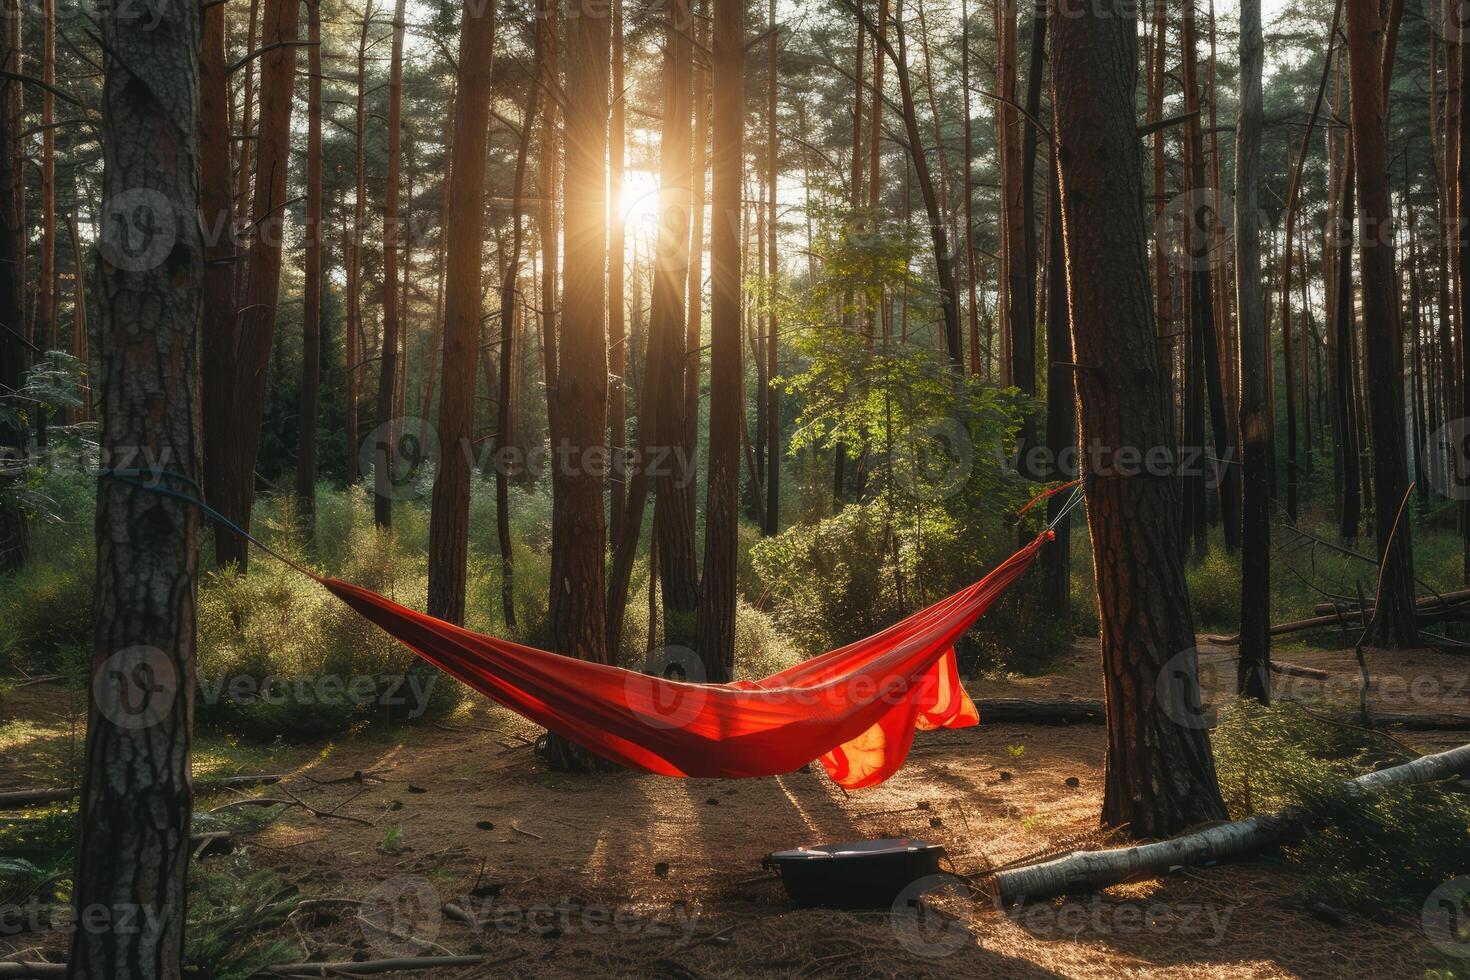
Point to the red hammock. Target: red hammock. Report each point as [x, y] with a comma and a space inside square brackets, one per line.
[855, 708]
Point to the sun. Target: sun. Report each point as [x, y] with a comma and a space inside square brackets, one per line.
[638, 200]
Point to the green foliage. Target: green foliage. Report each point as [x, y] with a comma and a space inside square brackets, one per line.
[233, 910]
[1389, 850]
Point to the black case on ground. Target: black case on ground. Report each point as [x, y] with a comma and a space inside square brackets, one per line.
[861, 875]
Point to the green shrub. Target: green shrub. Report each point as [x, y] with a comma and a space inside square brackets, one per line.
[1392, 849]
[233, 908]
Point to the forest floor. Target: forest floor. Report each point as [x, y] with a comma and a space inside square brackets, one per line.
[627, 874]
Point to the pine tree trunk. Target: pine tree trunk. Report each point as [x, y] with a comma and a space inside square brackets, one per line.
[353, 327]
[449, 521]
[969, 153]
[46, 327]
[311, 316]
[506, 438]
[136, 798]
[229, 470]
[773, 330]
[1160, 775]
[1293, 198]
[217, 210]
[674, 519]
[617, 301]
[79, 338]
[14, 350]
[1394, 623]
[1254, 669]
[579, 525]
[1202, 300]
[943, 258]
[1061, 405]
[716, 622]
[694, 331]
[386, 458]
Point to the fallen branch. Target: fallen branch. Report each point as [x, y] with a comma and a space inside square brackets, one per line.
[40, 797]
[366, 967]
[1091, 870]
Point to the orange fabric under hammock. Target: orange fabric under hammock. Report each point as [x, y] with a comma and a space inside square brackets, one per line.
[856, 709]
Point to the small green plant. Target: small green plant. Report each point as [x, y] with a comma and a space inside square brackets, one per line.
[1015, 751]
[392, 842]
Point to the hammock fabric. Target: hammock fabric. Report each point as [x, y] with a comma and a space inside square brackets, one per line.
[856, 709]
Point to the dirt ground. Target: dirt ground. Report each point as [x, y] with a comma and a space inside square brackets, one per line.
[632, 875]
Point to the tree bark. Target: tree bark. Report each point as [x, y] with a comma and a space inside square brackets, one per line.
[579, 525]
[1293, 198]
[1061, 405]
[772, 393]
[1202, 304]
[353, 326]
[1253, 679]
[617, 301]
[969, 154]
[674, 518]
[449, 522]
[311, 316]
[79, 338]
[14, 344]
[1394, 625]
[137, 798]
[386, 450]
[694, 331]
[716, 621]
[1160, 776]
[506, 441]
[46, 329]
[232, 440]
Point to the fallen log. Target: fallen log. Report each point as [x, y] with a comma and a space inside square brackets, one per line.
[366, 967]
[1440, 601]
[1354, 618]
[32, 971]
[1021, 711]
[40, 797]
[1091, 870]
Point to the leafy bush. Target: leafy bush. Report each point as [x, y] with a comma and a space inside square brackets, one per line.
[1392, 849]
